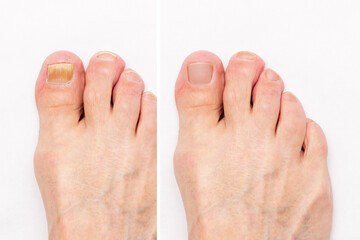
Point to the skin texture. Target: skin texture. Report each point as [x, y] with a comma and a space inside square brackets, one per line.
[95, 162]
[248, 163]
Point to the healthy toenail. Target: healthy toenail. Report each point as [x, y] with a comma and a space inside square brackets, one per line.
[200, 72]
[271, 76]
[106, 56]
[60, 73]
[150, 96]
[132, 76]
[308, 120]
[246, 56]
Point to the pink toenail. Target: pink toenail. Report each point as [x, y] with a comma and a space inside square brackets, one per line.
[200, 73]
[132, 76]
[106, 56]
[271, 76]
[246, 56]
[60, 73]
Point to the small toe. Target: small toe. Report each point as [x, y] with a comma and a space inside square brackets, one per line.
[199, 90]
[266, 100]
[101, 75]
[59, 89]
[315, 145]
[147, 122]
[127, 100]
[241, 75]
[292, 123]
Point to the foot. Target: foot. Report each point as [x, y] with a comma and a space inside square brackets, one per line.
[95, 162]
[248, 163]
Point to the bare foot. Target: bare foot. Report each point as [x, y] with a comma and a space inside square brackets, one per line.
[248, 163]
[95, 162]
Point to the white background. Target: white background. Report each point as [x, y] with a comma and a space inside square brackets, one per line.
[313, 45]
[29, 31]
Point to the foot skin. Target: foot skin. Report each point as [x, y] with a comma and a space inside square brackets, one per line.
[95, 162]
[248, 163]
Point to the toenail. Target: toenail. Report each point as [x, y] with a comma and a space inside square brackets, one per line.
[246, 56]
[272, 76]
[200, 72]
[308, 120]
[60, 73]
[106, 56]
[132, 76]
[149, 96]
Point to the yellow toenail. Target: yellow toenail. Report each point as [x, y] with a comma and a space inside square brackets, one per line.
[106, 56]
[60, 73]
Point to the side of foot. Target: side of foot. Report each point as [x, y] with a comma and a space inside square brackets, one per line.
[95, 162]
[248, 163]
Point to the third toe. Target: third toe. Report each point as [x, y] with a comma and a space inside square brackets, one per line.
[126, 97]
[266, 99]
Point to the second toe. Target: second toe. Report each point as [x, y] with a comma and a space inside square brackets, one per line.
[241, 75]
[101, 75]
[266, 100]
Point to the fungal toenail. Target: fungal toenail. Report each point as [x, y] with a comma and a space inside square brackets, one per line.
[60, 73]
[106, 56]
[200, 73]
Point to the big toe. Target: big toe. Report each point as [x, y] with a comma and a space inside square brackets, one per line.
[59, 89]
[199, 90]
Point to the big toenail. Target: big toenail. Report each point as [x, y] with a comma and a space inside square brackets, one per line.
[60, 73]
[271, 76]
[106, 56]
[132, 76]
[246, 56]
[200, 72]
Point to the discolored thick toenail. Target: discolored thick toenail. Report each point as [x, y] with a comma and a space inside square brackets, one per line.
[200, 73]
[60, 73]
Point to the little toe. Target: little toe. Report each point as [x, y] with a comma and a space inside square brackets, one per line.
[101, 75]
[199, 90]
[266, 100]
[315, 146]
[241, 75]
[292, 123]
[127, 100]
[59, 90]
